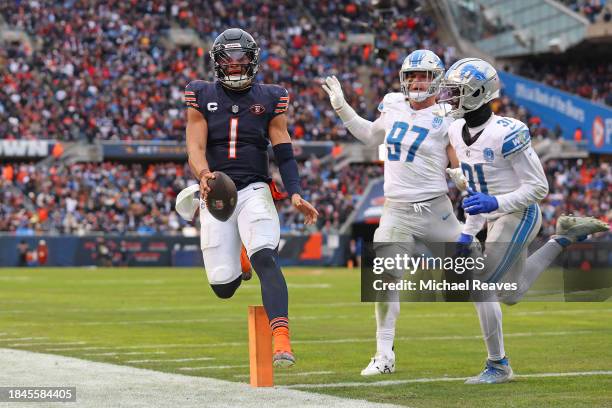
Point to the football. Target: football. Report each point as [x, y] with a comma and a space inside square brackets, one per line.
[222, 198]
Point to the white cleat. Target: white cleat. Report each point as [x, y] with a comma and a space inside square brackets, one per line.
[379, 365]
[571, 229]
[494, 373]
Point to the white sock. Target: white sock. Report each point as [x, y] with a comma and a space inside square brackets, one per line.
[490, 316]
[386, 316]
[535, 264]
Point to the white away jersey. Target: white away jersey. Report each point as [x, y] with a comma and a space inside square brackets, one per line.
[415, 150]
[502, 163]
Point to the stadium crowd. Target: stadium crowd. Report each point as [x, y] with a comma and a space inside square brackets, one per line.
[594, 10]
[117, 198]
[112, 74]
[589, 80]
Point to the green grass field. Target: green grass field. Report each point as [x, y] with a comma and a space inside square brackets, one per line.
[140, 317]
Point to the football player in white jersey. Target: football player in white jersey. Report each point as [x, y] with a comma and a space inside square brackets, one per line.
[505, 183]
[415, 187]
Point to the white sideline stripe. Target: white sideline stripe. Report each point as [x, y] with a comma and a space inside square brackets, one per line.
[109, 385]
[240, 318]
[213, 367]
[115, 281]
[331, 341]
[24, 338]
[46, 344]
[439, 379]
[128, 353]
[285, 374]
[172, 360]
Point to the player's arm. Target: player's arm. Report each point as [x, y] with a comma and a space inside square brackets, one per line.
[534, 185]
[454, 171]
[370, 133]
[452, 156]
[526, 164]
[196, 137]
[288, 168]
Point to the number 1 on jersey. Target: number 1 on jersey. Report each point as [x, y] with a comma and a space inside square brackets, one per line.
[233, 138]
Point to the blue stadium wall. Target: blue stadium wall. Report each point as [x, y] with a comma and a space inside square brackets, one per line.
[302, 250]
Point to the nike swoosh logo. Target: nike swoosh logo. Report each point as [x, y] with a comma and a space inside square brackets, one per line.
[445, 217]
[257, 188]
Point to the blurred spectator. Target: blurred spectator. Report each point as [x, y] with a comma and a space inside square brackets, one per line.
[589, 80]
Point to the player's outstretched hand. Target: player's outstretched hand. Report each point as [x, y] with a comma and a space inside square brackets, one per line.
[334, 90]
[205, 175]
[308, 211]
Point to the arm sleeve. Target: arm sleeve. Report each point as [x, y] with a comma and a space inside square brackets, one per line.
[370, 133]
[534, 185]
[473, 224]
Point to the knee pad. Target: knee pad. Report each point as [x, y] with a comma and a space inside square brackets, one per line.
[264, 260]
[226, 290]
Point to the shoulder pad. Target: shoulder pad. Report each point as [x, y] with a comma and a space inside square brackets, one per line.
[390, 99]
[516, 140]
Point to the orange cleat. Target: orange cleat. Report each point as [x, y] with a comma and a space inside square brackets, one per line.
[245, 264]
[283, 356]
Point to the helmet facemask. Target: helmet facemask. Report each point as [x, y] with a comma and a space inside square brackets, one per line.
[418, 89]
[236, 67]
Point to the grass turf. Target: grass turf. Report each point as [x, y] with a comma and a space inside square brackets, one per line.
[125, 316]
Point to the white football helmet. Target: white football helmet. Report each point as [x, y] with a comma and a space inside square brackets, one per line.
[468, 84]
[421, 61]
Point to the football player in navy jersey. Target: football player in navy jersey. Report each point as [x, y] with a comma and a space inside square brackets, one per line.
[230, 123]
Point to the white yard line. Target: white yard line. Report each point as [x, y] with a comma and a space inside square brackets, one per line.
[286, 374]
[172, 360]
[439, 379]
[213, 367]
[67, 343]
[102, 384]
[23, 338]
[129, 353]
[331, 341]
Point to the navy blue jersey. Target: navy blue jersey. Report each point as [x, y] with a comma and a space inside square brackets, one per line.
[237, 127]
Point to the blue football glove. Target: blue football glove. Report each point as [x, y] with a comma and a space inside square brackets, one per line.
[463, 245]
[477, 203]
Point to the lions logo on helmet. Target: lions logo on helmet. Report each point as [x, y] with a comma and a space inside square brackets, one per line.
[236, 58]
[468, 84]
[423, 61]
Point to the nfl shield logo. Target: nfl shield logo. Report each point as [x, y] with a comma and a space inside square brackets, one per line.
[488, 154]
[218, 204]
[437, 122]
[235, 108]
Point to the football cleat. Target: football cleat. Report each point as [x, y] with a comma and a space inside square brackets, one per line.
[245, 264]
[495, 372]
[379, 364]
[572, 229]
[283, 359]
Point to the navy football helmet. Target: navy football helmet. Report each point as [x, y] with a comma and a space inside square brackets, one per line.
[235, 55]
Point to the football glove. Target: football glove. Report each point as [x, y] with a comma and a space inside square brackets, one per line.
[478, 203]
[457, 176]
[334, 90]
[464, 244]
